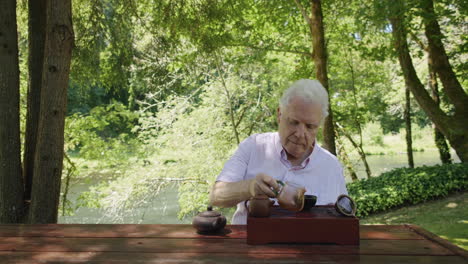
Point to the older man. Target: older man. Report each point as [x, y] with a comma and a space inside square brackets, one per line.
[291, 154]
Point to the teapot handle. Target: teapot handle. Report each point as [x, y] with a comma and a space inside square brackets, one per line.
[216, 223]
[219, 223]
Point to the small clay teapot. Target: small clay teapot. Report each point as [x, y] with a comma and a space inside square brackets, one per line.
[259, 206]
[209, 221]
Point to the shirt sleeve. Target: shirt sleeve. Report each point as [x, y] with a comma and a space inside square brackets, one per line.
[341, 181]
[236, 167]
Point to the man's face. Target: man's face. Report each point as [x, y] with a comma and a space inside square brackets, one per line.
[298, 126]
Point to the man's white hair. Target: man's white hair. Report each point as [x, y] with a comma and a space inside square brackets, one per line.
[309, 90]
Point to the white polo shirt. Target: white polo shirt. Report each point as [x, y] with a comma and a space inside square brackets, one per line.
[321, 173]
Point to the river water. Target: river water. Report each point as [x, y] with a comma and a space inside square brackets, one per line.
[163, 208]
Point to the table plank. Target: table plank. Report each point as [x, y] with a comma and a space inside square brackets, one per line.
[434, 238]
[197, 245]
[156, 258]
[391, 232]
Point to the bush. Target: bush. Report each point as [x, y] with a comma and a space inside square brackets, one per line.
[404, 186]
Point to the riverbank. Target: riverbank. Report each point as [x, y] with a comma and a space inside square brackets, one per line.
[388, 151]
[130, 192]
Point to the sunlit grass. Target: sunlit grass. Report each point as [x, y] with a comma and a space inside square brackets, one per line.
[376, 143]
[447, 218]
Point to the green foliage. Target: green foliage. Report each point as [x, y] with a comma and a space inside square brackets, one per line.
[103, 51]
[160, 89]
[406, 186]
[188, 139]
[104, 134]
[194, 140]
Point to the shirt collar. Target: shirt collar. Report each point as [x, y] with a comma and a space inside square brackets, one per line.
[283, 156]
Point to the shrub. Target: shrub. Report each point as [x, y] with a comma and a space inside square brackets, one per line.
[404, 186]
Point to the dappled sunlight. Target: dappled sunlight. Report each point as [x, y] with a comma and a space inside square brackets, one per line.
[461, 241]
[451, 205]
[59, 257]
[397, 218]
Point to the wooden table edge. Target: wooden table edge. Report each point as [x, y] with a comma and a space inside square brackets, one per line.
[434, 238]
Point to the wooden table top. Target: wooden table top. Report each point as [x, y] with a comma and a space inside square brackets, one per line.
[120, 243]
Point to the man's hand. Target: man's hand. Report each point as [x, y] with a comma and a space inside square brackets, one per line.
[263, 184]
[228, 194]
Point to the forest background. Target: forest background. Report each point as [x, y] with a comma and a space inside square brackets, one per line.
[161, 92]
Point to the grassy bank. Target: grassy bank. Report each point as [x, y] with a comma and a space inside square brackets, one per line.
[448, 218]
[377, 143]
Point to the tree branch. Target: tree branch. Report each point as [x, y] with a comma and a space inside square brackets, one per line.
[67, 182]
[305, 53]
[304, 13]
[419, 41]
[228, 95]
[241, 116]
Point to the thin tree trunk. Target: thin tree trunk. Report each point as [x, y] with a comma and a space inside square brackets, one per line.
[444, 150]
[450, 83]
[455, 127]
[319, 56]
[409, 140]
[229, 101]
[11, 185]
[345, 158]
[37, 26]
[320, 62]
[50, 145]
[360, 147]
[360, 150]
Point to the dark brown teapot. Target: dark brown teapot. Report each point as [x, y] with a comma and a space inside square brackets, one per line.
[209, 221]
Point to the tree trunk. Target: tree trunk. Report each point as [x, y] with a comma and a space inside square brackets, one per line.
[37, 26]
[50, 142]
[320, 62]
[454, 128]
[359, 146]
[361, 152]
[444, 150]
[442, 67]
[229, 101]
[319, 56]
[11, 185]
[409, 140]
[345, 158]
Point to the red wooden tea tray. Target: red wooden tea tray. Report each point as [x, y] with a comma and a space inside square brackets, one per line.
[320, 224]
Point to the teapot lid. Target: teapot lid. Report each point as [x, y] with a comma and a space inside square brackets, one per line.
[210, 212]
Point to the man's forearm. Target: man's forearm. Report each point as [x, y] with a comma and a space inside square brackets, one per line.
[228, 194]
